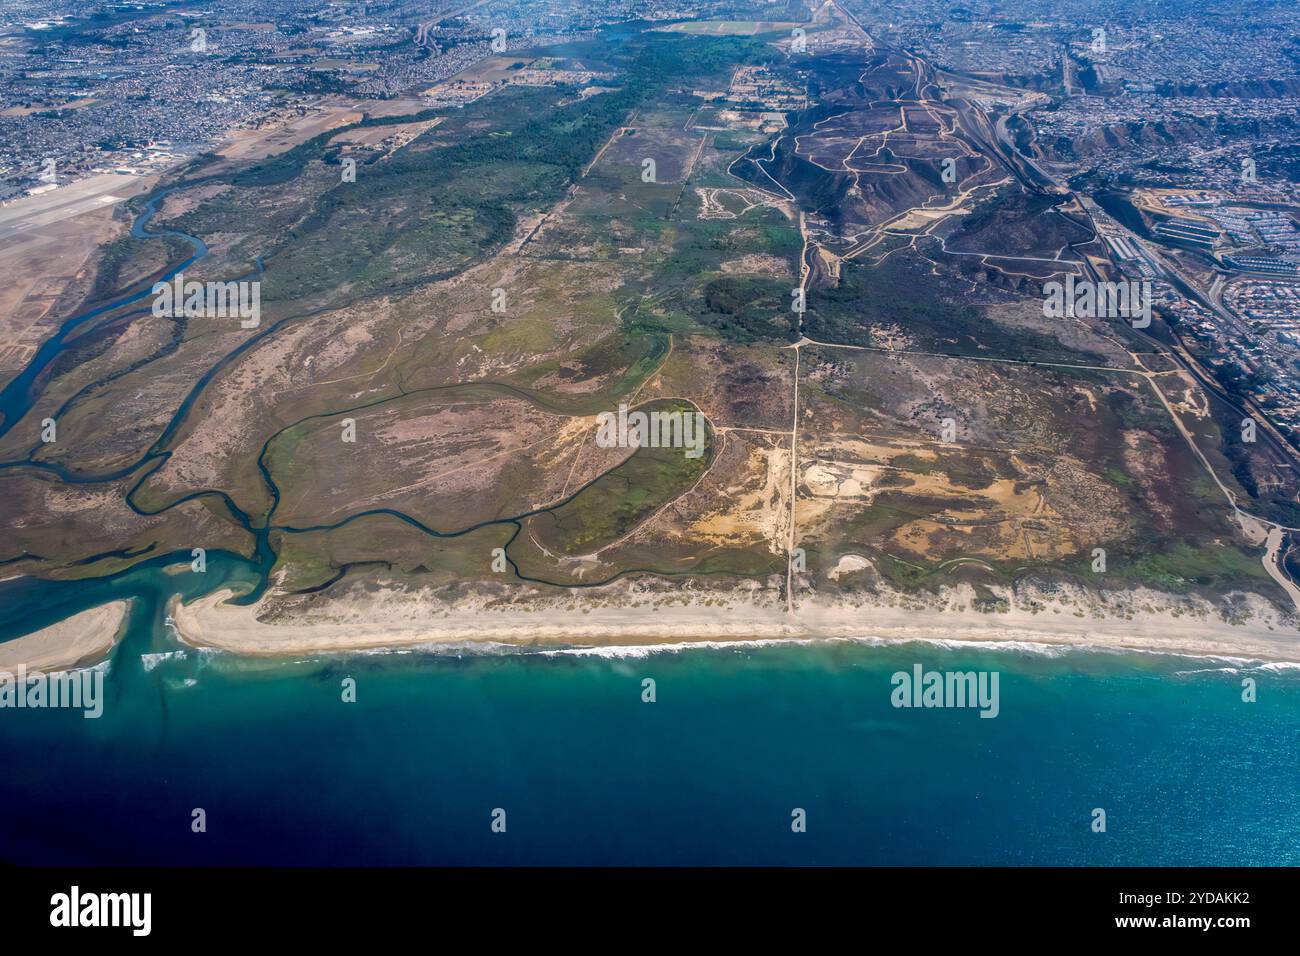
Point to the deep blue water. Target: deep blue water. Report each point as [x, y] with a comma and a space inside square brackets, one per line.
[709, 773]
[588, 773]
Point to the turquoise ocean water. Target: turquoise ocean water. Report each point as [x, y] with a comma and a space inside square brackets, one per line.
[587, 773]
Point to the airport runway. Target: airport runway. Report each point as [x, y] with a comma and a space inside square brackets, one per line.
[74, 199]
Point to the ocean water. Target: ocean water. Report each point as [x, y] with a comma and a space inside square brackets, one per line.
[588, 773]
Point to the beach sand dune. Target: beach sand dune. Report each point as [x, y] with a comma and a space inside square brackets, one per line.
[402, 619]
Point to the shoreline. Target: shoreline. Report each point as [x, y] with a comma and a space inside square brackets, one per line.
[83, 640]
[403, 621]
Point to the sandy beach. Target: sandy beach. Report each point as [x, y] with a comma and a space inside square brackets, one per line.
[1141, 621]
[78, 641]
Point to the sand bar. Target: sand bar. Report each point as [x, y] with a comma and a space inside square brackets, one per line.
[78, 641]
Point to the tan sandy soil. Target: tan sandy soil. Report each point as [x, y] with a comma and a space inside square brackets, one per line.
[46, 247]
[82, 639]
[283, 133]
[76, 104]
[755, 505]
[1142, 621]
[396, 107]
[401, 133]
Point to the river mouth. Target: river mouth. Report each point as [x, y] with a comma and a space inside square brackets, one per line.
[29, 603]
[32, 603]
